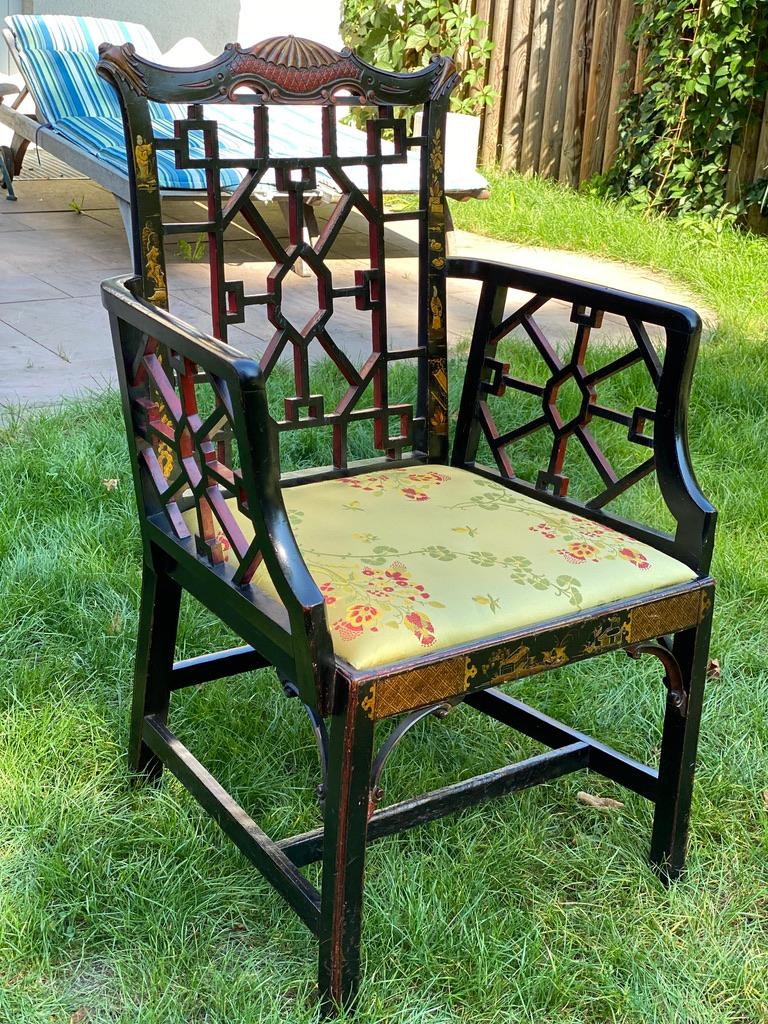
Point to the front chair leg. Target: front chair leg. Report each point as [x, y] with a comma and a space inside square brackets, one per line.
[346, 826]
[678, 753]
[158, 624]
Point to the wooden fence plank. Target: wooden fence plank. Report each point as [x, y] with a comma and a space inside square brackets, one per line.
[761, 157]
[461, 56]
[537, 85]
[742, 165]
[516, 84]
[623, 73]
[496, 77]
[561, 70]
[599, 89]
[557, 88]
[484, 11]
[642, 53]
[576, 92]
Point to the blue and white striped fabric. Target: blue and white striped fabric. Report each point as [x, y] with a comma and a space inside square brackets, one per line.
[58, 55]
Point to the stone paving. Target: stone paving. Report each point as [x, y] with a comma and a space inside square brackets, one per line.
[63, 237]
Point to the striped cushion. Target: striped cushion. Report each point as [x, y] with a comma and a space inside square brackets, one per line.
[58, 55]
[104, 138]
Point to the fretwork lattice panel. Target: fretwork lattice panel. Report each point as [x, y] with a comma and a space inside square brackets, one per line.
[295, 341]
[180, 418]
[571, 410]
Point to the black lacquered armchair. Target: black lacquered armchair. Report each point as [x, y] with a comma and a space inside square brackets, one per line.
[395, 587]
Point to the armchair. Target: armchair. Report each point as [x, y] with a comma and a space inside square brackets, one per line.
[397, 586]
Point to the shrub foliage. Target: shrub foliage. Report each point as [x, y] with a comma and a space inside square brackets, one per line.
[705, 79]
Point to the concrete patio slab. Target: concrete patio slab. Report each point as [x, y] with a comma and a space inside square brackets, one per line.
[64, 236]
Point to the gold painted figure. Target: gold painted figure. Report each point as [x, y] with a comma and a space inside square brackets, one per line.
[145, 180]
[436, 306]
[151, 247]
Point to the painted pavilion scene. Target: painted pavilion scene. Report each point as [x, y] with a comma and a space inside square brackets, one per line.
[382, 512]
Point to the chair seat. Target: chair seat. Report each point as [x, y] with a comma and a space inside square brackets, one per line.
[418, 560]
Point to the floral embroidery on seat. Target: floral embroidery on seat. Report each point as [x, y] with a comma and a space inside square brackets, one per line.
[421, 628]
[370, 482]
[357, 618]
[544, 529]
[379, 483]
[579, 552]
[381, 597]
[636, 558]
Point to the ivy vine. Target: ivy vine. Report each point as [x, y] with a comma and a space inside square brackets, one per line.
[705, 79]
[402, 35]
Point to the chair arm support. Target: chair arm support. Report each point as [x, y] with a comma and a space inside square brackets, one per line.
[258, 443]
[8, 89]
[694, 515]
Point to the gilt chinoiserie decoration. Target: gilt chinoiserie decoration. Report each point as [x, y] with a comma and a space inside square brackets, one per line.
[452, 562]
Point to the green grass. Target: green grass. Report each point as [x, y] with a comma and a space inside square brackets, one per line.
[727, 269]
[129, 904]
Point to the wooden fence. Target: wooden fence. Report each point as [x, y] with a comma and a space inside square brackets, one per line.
[560, 69]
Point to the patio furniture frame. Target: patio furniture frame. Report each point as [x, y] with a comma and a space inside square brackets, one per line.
[162, 361]
[31, 130]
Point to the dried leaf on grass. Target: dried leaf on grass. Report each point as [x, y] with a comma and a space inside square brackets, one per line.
[713, 669]
[78, 1016]
[603, 803]
[110, 485]
[116, 625]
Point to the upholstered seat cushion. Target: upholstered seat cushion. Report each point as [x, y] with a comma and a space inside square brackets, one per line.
[416, 560]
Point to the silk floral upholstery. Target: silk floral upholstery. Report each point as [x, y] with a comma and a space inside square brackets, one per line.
[415, 560]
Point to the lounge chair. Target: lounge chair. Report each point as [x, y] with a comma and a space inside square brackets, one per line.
[78, 119]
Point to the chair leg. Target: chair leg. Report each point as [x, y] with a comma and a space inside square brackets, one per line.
[158, 624]
[344, 843]
[18, 147]
[678, 754]
[6, 173]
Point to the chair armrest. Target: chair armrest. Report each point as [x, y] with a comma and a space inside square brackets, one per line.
[672, 375]
[133, 319]
[8, 89]
[567, 289]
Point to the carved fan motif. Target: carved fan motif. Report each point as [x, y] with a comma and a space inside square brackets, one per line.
[294, 52]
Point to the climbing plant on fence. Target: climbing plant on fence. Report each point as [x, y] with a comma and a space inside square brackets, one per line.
[705, 77]
[403, 34]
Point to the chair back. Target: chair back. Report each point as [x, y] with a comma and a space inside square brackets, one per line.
[255, 82]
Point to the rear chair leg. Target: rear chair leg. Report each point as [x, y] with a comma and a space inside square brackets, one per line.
[346, 827]
[19, 147]
[678, 754]
[158, 624]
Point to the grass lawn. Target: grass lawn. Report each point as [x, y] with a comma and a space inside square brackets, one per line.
[128, 905]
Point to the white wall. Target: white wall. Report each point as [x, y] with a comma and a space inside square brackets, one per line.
[213, 22]
[7, 7]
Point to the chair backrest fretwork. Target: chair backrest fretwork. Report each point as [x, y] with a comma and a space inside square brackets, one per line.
[252, 82]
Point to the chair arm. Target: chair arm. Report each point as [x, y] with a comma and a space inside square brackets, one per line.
[8, 89]
[567, 289]
[694, 515]
[257, 441]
